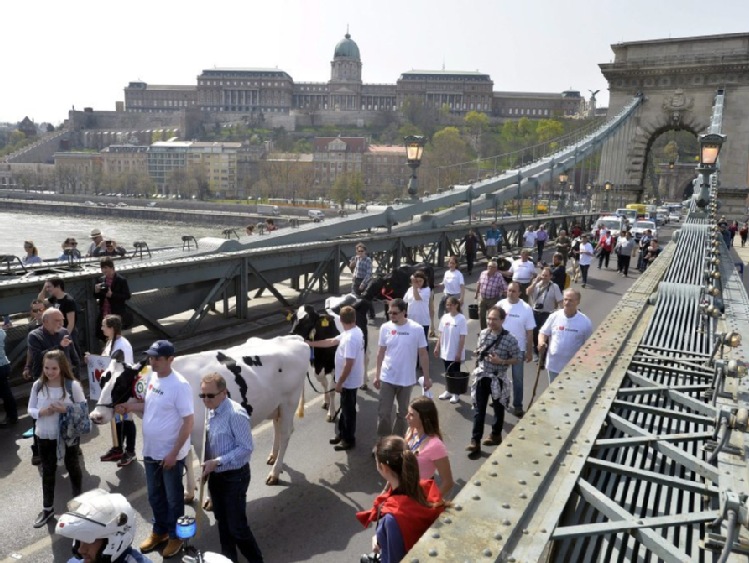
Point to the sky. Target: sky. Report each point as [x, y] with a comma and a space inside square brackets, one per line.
[82, 53]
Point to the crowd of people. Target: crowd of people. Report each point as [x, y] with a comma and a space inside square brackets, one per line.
[526, 313]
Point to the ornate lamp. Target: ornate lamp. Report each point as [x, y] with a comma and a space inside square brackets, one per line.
[414, 151]
[710, 146]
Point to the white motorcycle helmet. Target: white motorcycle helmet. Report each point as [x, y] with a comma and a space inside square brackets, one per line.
[99, 514]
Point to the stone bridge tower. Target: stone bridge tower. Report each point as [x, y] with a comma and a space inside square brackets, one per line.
[679, 78]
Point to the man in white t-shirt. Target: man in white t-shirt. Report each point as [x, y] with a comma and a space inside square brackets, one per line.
[523, 271]
[349, 374]
[564, 333]
[520, 322]
[401, 342]
[167, 423]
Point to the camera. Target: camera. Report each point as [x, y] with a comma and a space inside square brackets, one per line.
[538, 307]
[109, 242]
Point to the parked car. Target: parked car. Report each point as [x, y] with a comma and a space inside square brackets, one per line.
[661, 219]
[316, 215]
[639, 228]
[674, 216]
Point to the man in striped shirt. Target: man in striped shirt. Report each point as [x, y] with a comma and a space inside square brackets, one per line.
[227, 467]
[490, 288]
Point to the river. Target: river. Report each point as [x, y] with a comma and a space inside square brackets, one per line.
[49, 231]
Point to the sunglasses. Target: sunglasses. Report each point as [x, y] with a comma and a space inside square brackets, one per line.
[209, 395]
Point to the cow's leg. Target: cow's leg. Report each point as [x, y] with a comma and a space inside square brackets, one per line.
[283, 425]
[189, 477]
[322, 378]
[274, 452]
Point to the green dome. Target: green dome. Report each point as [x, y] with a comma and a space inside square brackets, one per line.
[347, 48]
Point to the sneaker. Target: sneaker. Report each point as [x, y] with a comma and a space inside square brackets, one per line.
[173, 547]
[446, 395]
[153, 541]
[43, 517]
[335, 441]
[455, 399]
[492, 440]
[126, 459]
[114, 454]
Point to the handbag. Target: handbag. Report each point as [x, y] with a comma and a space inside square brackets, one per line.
[75, 422]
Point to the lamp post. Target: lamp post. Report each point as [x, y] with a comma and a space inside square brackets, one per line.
[563, 177]
[608, 187]
[414, 151]
[710, 146]
[589, 190]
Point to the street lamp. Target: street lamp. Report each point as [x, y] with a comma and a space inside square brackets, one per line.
[563, 177]
[710, 146]
[414, 151]
[589, 189]
[608, 186]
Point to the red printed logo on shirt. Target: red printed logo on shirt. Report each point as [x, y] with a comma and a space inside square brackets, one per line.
[393, 332]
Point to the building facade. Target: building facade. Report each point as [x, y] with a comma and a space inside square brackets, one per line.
[245, 91]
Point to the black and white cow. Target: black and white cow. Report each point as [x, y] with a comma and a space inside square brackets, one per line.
[321, 325]
[265, 376]
[396, 283]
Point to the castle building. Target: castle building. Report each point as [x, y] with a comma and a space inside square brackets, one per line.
[244, 91]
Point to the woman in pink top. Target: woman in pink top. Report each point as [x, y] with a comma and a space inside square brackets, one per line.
[425, 440]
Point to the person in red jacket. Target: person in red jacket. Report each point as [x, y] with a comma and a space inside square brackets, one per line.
[406, 508]
[605, 245]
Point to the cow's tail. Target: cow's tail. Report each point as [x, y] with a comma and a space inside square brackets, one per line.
[300, 408]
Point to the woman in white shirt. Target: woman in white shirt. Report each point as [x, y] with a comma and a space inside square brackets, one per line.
[417, 298]
[111, 326]
[453, 285]
[453, 330]
[50, 396]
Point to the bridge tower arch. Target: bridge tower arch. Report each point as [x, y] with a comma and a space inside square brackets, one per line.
[679, 79]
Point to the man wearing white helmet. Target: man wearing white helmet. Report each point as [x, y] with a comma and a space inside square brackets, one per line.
[102, 527]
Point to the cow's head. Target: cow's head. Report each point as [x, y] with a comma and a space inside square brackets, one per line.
[335, 304]
[118, 386]
[304, 321]
[374, 288]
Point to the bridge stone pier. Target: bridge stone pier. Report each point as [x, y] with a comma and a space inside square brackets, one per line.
[679, 79]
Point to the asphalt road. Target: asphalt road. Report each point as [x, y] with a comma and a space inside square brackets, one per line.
[310, 515]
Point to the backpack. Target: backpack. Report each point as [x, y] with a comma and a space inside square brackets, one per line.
[75, 422]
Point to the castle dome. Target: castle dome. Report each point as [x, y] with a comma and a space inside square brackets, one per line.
[348, 48]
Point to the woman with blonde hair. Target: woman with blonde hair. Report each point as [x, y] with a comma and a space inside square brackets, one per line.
[32, 253]
[407, 507]
[51, 395]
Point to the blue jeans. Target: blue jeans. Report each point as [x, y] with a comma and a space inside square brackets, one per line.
[517, 383]
[166, 495]
[229, 495]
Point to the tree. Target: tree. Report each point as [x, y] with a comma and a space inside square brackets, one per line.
[548, 129]
[424, 117]
[176, 182]
[347, 186]
[476, 123]
[441, 156]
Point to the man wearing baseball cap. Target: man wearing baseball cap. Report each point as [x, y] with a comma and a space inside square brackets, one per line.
[167, 423]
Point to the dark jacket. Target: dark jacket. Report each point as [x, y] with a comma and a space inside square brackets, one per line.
[40, 342]
[120, 294]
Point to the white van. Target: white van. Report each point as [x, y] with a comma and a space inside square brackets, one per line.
[316, 215]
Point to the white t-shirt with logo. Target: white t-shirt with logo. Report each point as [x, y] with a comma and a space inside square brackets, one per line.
[418, 311]
[565, 336]
[451, 329]
[350, 346]
[402, 343]
[519, 319]
[168, 401]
